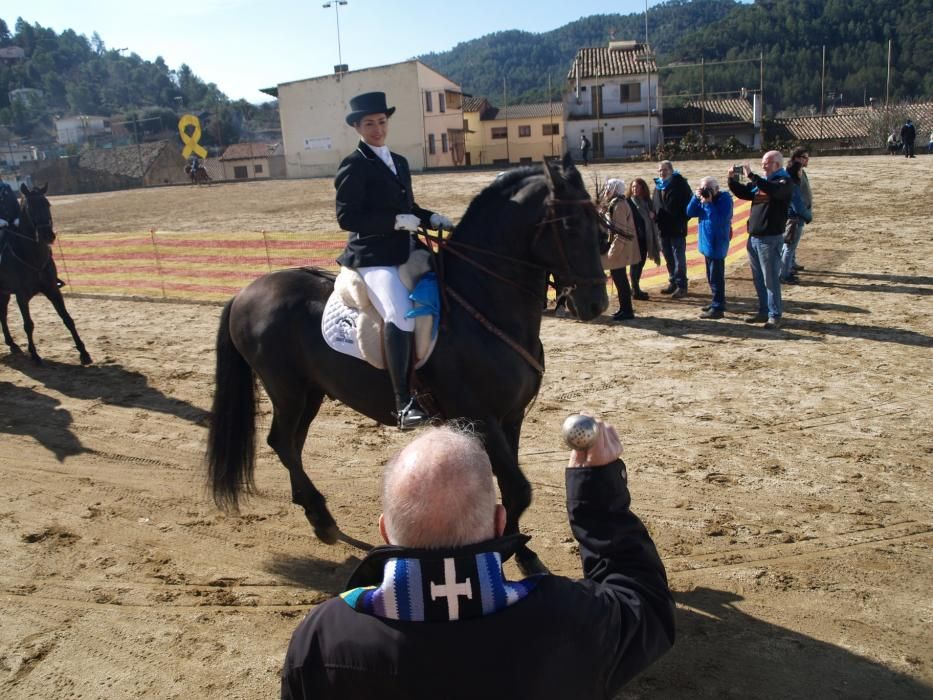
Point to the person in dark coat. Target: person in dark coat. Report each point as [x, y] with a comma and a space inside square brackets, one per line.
[672, 193]
[376, 205]
[908, 136]
[585, 149]
[431, 614]
[770, 197]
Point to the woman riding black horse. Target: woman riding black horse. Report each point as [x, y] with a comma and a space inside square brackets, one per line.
[376, 205]
[487, 364]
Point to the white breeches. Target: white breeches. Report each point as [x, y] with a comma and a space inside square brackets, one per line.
[389, 295]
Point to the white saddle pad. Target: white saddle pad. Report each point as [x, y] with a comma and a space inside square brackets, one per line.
[359, 333]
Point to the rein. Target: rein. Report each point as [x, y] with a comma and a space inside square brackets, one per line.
[551, 220]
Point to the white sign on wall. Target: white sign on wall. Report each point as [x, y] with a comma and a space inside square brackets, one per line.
[319, 143]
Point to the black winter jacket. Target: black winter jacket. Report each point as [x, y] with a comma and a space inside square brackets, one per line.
[670, 206]
[770, 198]
[563, 639]
[369, 196]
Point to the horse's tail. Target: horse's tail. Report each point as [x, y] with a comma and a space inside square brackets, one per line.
[231, 439]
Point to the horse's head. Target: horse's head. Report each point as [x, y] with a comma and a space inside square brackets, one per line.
[36, 214]
[569, 238]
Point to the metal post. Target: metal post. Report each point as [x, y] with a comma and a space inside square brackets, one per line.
[761, 91]
[887, 87]
[505, 97]
[822, 92]
[139, 153]
[702, 102]
[336, 5]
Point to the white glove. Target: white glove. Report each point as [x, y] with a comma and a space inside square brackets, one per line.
[407, 222]
[3, 222]
[439, 222]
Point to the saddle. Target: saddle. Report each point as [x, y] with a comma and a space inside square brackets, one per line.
[351, 324]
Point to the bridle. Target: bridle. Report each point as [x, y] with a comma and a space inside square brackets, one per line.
[548, 224]
[45, 227]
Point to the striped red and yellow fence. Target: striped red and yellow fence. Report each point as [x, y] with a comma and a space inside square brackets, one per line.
[215, 266]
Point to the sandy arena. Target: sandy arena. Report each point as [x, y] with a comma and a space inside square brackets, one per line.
[786, 476]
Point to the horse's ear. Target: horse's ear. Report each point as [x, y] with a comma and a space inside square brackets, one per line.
[44, 188]
[23, 188]
[567, 162]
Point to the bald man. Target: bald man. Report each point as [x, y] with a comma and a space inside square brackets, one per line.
[431, 614]
[770, 197]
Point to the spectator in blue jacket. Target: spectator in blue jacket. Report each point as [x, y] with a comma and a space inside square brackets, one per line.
[713, 208]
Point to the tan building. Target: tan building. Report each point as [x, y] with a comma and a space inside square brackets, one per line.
[613, 97]
[510, 135]
[248, 161]
[427, 127]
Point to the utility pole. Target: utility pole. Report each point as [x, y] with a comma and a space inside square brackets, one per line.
[822, 91]
[505, 98]
[887, 87]
[761, 91]
[336, 5]
[550, 108]
[139, 152]
[702, 101]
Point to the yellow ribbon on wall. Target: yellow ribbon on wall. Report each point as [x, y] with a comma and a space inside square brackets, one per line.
[191, 142]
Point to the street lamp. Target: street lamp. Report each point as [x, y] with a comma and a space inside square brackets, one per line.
[336, 5]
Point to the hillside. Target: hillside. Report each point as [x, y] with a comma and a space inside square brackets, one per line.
[790, 33]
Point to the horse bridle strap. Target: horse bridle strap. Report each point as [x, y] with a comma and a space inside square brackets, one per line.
[498, 332]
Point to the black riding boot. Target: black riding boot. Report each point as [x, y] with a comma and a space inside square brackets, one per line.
[397, 345]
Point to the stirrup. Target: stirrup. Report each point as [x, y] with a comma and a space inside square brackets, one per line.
[412, 416]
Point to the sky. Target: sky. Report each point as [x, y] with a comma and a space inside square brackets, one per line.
[243, 46]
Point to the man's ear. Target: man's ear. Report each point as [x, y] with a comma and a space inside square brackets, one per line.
[382, 528]
[499, 518]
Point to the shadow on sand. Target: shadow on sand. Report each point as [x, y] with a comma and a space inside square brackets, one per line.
[721, 652]
[111, 384]
[24, 411]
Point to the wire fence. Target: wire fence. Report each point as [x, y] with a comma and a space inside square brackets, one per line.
[215, 266]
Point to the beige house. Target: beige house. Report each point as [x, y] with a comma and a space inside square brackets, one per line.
[515, 134]
[613, 97]
[427, 127]
[248, 161]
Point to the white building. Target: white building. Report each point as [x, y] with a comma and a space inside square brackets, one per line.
[427, 123]
[613, 98]
[80, 128]
[12, 154]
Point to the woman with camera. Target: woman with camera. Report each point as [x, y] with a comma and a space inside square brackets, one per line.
[713, 208]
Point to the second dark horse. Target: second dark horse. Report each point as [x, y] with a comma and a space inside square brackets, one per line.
[27, 269]
[529, 222]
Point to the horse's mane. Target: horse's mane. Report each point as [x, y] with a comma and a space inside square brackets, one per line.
[500, 191]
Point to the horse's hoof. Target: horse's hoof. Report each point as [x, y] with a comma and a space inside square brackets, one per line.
[37, 360]
[532, 566]
[16, 349]
[328, 534]
[85, 359]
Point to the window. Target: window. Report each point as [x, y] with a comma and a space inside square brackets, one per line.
[431, 147]
[443, 143]
[630, 92]
[257, 169]
[441, 102]
[240, 172]
[428, 104]
[500, 132]
[524, 131]
[550, 130]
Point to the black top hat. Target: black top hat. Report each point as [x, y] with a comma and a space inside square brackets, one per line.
[368, 103]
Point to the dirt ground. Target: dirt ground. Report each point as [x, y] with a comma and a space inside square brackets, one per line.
[784, 475]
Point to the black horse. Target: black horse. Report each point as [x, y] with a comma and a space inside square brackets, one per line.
[27, 269]
[487, 364]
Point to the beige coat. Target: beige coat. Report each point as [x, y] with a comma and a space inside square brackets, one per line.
[622, 251]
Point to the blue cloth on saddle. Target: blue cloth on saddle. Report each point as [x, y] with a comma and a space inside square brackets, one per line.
[427, 300]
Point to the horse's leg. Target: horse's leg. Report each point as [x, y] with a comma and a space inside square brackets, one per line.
[291, 417]
[58, 301]
[502, 448]
[23, 303]
[7, 338]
